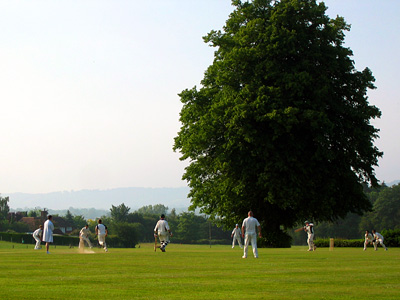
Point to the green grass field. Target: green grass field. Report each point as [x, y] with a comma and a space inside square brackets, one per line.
[198, 272]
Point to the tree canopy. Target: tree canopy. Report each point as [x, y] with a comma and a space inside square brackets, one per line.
[281, 124]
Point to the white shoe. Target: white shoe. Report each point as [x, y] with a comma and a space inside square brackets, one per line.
[244, 256]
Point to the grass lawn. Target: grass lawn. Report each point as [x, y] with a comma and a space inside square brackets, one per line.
[198, 272]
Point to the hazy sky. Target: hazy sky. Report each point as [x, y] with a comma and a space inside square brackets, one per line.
[88, 89]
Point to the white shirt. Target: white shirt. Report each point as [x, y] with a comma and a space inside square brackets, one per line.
[48, 231]
[236, 231]
[250, 224]
[309, 228]
[101, 229]
[162, 227]
[37, 232]
[378, 236]
[84, 232]
[368, 237]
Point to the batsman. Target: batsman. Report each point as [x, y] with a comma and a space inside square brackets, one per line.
[163, 231]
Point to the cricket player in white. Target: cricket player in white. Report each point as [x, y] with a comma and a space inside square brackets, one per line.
[48, 232]
[163, 231]
[368, 239]
[84, 237]
[378, 239]
[37, 235]
[102, 232]
[249, 233]
[309, 228]
[237, 236]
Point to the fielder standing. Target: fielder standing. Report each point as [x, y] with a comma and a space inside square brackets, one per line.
[37, 235]
[163, 231]
[84, 237]
[102, 231]
[309, 228]
[368, 239]
[378, 239]
[48, 232]
[237, 236]
[249, 233]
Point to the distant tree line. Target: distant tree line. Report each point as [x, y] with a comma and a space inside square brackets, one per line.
[126, 229]
[187, 227]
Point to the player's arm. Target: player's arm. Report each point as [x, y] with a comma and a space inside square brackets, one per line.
[259, 230]
[242, 231]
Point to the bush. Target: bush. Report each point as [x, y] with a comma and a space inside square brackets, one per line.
[339, 243]
[391, 237]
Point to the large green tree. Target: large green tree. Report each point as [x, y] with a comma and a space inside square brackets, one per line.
[281, 124]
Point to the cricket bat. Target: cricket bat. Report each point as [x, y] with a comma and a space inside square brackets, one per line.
[299, 229]
[155, 244]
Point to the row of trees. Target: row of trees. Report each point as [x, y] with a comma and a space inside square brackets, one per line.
[385, 214]
[138, 226]
[130, 228]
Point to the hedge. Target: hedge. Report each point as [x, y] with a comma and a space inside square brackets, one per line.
[391, 239]
[61, 240]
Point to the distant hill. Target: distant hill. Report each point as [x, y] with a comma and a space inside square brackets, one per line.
[133, 197]
[392, 182]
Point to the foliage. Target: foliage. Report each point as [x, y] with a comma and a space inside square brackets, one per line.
[281, 124]
[119, 213]
[127, 233]
[4, 208]
[275, 239]
[386, 210]
[34, 213]
[392, 237]
[157, 209]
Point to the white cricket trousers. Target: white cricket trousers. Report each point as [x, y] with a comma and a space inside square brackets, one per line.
[83, 240]
[164, 240]
[102, 241]
[380, 241]
[238, 239]
[252, 237]
[310, 242]
[38, 243]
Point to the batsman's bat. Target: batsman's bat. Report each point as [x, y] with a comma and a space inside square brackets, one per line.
[155, 244]
[299, 229]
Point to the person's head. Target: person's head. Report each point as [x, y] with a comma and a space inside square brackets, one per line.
[40, 226]
[366, 231]
[237, 225]
[49, 217]
[162, 216]
[86, 225]
[250, 213]
[306, 222]
[373, 231]
[99, 221]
